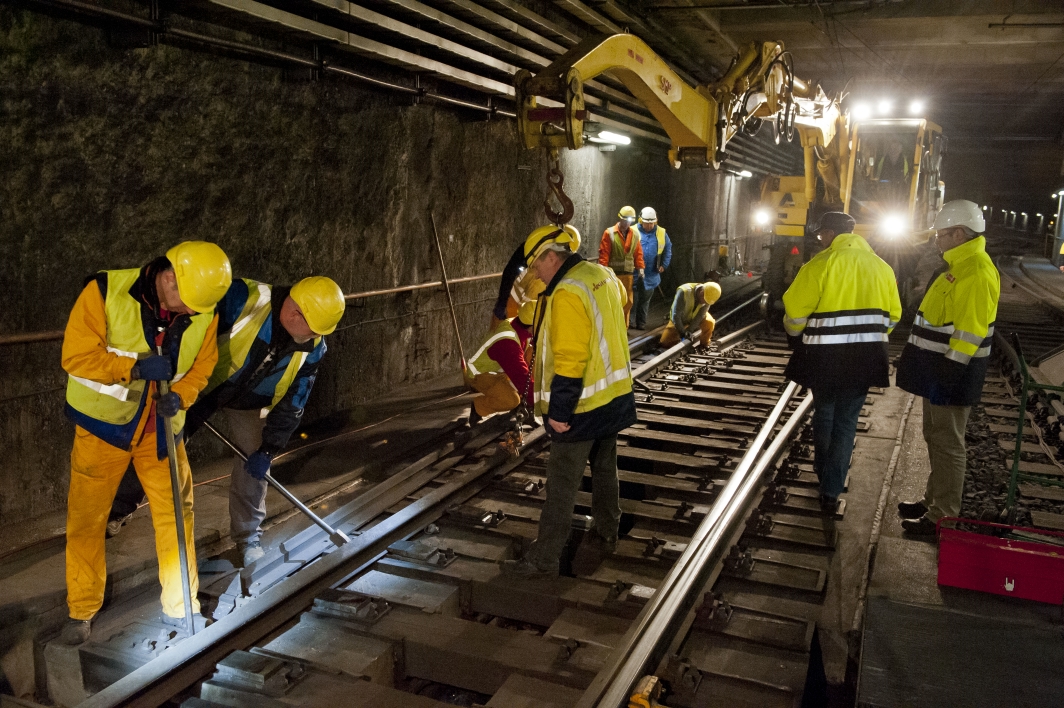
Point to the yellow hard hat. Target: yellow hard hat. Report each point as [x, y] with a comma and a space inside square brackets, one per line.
[711, 292]
[527, 313]
[322, 302]
[544, 236]
[202, 272]
[626, 212]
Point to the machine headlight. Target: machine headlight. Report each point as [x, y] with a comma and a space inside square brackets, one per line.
[893, 225]
[762, 217]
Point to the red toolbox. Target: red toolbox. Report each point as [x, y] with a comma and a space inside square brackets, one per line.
[1004, 566]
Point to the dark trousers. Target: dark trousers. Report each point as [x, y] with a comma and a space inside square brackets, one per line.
[642, 304]
[835, 416]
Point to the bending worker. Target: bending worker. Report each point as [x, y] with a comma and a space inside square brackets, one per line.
[622, 252]
[946, 357]
[583, 390]
[270, 345]
[690, 312]
[842, 304]
[109, 350]
[657, 254]
[498, 370]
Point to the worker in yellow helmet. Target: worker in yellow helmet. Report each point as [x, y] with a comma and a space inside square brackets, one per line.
[120, 322]
[271, 340]
[582, 376]
[690, 312]
[621, 251]
[498, 371]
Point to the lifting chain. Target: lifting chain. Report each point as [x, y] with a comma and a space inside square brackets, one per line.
[555, 179]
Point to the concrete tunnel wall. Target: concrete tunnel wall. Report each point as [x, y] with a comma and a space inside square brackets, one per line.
[108, 157]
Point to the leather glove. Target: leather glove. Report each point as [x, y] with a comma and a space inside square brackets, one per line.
[154, 368]
[258, 464]
[168, 405]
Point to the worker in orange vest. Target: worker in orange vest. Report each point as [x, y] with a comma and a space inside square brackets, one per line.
[621, 251]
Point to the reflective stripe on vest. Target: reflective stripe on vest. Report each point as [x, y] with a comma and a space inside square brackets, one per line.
[481, 362]
[847, 327]
[118, 403]
[608, 373]
[938, 339]
[659, 233]
[622, 261]
[690, 309]
[235, 345]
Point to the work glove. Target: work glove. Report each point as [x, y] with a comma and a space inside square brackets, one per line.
[258, 464]
[638, 274]
[168, 405]
[154, 368]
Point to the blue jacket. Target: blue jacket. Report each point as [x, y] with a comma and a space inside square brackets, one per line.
[253, 385]
[652, 277]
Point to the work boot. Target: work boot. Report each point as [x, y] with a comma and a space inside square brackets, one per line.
[912, 510]
[474, 417]
[592, 551]
[75, 632]
[923, 526]
[250, 552]
[115, 525]
[525, 568]
[828, 505]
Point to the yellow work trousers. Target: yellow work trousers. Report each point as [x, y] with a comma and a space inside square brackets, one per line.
[626, 281]
[96, 468]
[498, 393]
[671, 335]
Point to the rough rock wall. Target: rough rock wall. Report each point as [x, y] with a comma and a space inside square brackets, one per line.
[108, 157]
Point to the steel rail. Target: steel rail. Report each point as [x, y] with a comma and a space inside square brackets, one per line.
[654, 628]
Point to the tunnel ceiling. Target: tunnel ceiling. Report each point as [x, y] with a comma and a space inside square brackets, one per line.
[990, 72]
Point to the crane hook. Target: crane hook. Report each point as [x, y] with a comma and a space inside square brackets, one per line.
[555, 179]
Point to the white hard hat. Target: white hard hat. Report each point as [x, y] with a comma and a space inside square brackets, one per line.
[648, 214]
[960, 212]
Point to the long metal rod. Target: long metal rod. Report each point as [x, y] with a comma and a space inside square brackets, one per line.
[338, 538]
[447, 289]
[179, 517]
[641, 644]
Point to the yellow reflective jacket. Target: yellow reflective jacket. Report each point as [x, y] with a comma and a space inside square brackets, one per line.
[583, 372]
[480, 362]
[946, 357]
[686, 310]
[843, 304]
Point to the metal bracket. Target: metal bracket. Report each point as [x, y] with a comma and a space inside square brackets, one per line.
[351, 606]
[422, 553]
[739, 560]
[475, 516]
[759, 523]
[714, 613]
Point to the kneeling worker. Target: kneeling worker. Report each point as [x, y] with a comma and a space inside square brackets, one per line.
[270, 344]
[690, 311]
[498, 371]
[583, 389]
[118, 324]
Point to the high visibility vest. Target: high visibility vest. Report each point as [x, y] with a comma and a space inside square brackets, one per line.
[659, 234]
[234, 345]
[481, 363]
[608, 373]
[117, 404]
[622, 261]
[685, 307]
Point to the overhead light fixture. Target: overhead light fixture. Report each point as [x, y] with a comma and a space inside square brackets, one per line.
[984, 208]
[916, 107]
[607, 137]
[885, 106]
[746, 173]
[861, 111]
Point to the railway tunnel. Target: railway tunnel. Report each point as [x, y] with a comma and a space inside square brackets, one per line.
[405, 149]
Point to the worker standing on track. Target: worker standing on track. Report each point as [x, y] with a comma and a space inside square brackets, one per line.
[690, 312]
[583, 389]
[498, 370]
[271, 340]
[843, 304]
[946, 357]
[621, 251]
[109, 351]
[657, 254]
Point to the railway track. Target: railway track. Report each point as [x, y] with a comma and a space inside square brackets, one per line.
[714, 587]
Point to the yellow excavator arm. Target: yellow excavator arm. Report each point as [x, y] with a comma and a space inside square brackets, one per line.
[700, 121]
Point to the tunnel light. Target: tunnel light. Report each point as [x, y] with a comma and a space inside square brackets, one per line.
[861, 111]
[893, 225]
[885, 106]
[984, 209]
[762, 217]
[613, 138]
[746, 173]
[916, 107]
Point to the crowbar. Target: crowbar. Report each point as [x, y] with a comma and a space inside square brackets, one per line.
[447, 287]
[338, 538]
